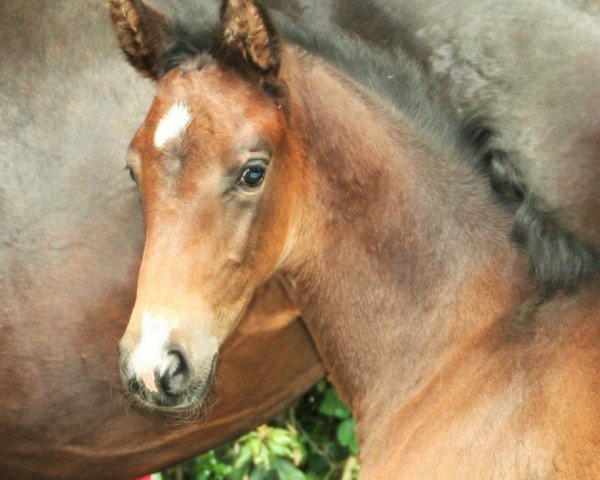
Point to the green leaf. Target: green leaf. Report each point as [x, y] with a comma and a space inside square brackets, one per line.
[279, 450]
[317, 433]
[333, 406]
[281, 436]
[243, 457]
[260, 473]
[264, 458]
[287, 471]
[236, 474]
[254, 444]
[346, 434]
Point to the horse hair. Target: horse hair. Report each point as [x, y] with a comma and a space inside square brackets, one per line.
[185, 45]
[557, 259]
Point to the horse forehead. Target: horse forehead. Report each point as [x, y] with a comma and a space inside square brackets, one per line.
[172, 124]
[205, 123]
[211, 86]
[210, 104]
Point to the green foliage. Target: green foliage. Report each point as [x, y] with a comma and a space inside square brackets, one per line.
[313, 440]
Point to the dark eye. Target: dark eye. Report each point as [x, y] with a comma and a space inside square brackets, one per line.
[252, 176]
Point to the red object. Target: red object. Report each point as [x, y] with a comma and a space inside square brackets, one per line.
[147, 477]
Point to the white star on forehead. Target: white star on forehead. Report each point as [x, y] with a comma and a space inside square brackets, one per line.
[172, 125]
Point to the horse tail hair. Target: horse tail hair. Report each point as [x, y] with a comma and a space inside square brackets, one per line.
[558, 260]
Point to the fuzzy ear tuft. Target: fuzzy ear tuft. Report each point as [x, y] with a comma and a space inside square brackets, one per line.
[248, 37]
[142, 34]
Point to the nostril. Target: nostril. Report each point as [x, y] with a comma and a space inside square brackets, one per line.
[178, 365]
[175, 373]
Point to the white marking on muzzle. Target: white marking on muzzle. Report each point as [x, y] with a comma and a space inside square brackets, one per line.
[172, 125]
[151, 352]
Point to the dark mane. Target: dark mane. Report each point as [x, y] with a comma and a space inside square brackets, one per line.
[394, 77]
[185, 45]
[558, 260]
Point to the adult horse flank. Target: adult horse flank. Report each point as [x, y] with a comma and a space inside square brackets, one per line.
[335, 171]
[71, 239]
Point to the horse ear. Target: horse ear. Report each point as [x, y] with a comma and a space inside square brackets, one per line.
[142, 34]
[248, 36]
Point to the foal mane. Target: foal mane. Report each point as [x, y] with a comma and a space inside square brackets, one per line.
[394, 77]
[558, 260]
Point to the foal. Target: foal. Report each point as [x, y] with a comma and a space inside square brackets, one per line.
[257, 159]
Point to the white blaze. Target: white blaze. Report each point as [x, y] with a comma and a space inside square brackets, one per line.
[172, 125]
[150, 352]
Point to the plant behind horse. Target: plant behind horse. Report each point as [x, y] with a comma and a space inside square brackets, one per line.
[258, 160]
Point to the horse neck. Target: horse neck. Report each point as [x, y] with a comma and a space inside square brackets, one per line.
[398, 257]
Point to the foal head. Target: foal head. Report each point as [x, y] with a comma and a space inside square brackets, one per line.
[213, 161]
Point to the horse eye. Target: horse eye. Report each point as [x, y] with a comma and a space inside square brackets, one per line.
[252, 176]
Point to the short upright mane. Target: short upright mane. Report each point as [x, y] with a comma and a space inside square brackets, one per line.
[394, 77]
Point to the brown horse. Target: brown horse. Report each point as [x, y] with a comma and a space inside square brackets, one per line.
[339, 174]
[503, 66]
[38, 66]
[71, 238]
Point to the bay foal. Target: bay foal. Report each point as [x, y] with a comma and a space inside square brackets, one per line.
[339, 174]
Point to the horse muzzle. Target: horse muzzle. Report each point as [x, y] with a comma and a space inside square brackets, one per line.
[168, 377]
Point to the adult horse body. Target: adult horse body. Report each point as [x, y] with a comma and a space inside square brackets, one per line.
[70, 242]
[339, 174]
